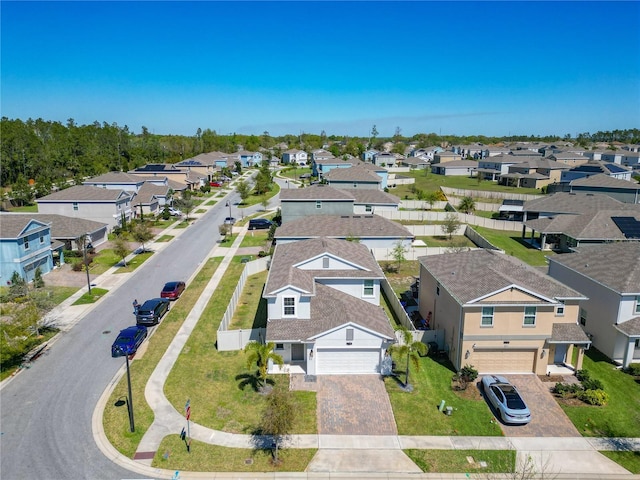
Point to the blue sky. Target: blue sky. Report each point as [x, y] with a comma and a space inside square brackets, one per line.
[464, 68]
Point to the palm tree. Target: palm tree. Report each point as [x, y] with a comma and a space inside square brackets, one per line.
[260, 354]
[467, 205]
[410, 348]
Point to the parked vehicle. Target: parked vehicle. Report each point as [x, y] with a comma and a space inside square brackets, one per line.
[128, 341]
[229, 220]
[175, 212]
[215, 184]
[505, 399]
[172, 290]
[151, 311]
[259, 223]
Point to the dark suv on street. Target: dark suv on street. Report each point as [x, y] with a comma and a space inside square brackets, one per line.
[151, 311]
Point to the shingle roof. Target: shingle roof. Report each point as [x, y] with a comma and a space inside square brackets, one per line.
[148, 191]
[615, 265]
[330, 308]
[342, 226]
[458, 164]
[283, 271]
[630, 327]
[314, 192]
[587, 226]
[84, 193]
[114, 177]
[537, 162]
[470, 275]
[568, 333]
[564, 202]
[371, 196]
[61, 225]
[356, 174]
[604, 180]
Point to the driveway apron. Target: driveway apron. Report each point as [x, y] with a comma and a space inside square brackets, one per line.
[354, 405]
[547, 418]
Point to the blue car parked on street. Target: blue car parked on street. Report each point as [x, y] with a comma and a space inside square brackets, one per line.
[128, 341]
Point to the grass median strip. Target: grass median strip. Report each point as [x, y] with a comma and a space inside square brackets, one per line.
[116, 420]
[467, 461]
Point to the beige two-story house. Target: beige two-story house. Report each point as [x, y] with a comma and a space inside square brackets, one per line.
[499, 314]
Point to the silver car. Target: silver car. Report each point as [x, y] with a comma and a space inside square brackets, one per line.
[506, 400]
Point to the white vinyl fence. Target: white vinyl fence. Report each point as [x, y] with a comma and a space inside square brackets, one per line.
[459, 192]
[238, 339]
[422, 216]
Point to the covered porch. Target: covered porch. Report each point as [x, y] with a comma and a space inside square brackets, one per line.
[631, 332]
[564, 338]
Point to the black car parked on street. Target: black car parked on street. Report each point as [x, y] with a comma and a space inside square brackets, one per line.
[151, 311]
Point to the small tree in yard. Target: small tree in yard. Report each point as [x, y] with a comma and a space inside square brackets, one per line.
[142, 234]
[225, 230]
[185, 203]
[243, 189]
[467, 205]
[451, 224]
[411, 349]
[38, 282]
[398, 253]
[121, 249]
[278, 417]
[260, 354]
[431, 198]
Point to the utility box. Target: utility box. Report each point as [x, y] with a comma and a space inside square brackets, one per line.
[448, 411]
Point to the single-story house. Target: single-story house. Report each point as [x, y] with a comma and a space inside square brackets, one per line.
[609, 274]
[499, 314]
[455, 168]
[323, 307]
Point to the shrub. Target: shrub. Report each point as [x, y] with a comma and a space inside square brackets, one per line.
[77, 266]
[583, 375]
[594, 397]
[468, 373]
[566, 389]
[592, 384]
[634, 369]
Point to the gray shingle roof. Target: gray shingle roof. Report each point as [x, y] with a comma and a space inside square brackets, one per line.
[564, 202]
[568, 333]
[283, 271]
[342, 226]
[615, 265]
[630, 327]
[330, 308]
[371, 196]
[604, 180]
[11, 224]
[587, 226]
[114, 177]
[355, 174]
[314, 192]
[84, 193]
[470, 275]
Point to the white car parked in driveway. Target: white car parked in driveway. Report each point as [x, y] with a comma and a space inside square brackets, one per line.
[505, 399]
[175, 212]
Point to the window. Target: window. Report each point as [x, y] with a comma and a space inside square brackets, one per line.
[368, 209]
[437, 289]
[26, 243]
[349, 334]
[368, 288]
[318, 204]
[75, 206]
[560, 310]
[637, 304]
[289, 306]
[583, 317]
[41, 239]
[487, 317]
[529, 316]
[279, 346]
[325, 262]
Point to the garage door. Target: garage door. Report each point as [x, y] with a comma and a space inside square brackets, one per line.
[503, 361]
[343, 361]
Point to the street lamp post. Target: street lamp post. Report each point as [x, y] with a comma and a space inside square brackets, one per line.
[132, 426]
[86, 264]
[229, 205]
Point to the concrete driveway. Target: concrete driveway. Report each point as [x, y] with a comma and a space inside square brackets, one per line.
[354, 405]
[547, 418]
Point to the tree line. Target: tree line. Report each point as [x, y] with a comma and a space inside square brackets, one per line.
[52, 153]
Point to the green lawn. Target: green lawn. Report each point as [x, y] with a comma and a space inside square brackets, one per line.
[455, 461]
[25, 209]
[621, 416]
[628, 460]
[512, 244]
[294, 173]
[443, 241]
[164, 238]
[219, 384]
[251, 311]
[254, 199]
[203, 457]
[429, 182]
[115, 419]
[95, 295]
[256, 238]
[417, 413]
[135, 262]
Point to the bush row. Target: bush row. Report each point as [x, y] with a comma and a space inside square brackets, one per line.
[589, 390]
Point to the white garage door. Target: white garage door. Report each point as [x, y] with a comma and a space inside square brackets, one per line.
[343, 361]
[503, 361]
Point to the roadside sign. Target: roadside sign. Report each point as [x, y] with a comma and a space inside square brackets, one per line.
[188, 413]
[186, 405]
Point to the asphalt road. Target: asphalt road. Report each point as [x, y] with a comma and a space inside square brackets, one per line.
[45, 429]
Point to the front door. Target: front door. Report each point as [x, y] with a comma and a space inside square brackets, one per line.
[297, 352]
[561, 353]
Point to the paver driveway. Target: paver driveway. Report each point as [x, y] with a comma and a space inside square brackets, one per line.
[354, 405]
[547, 418]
